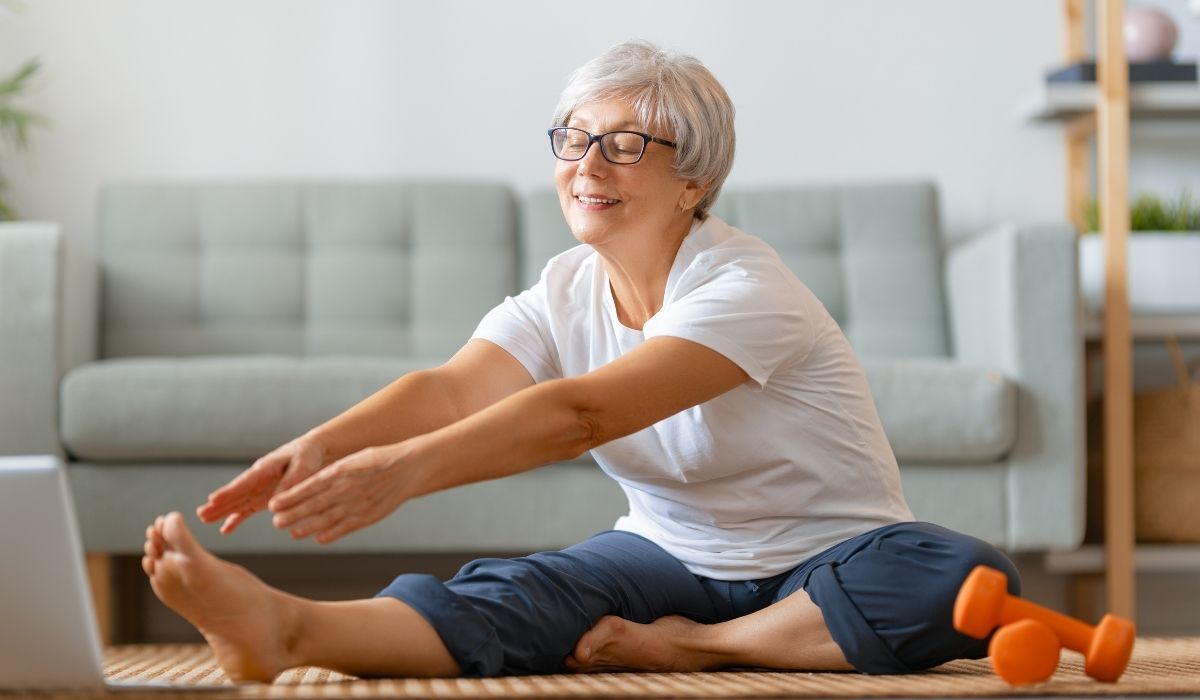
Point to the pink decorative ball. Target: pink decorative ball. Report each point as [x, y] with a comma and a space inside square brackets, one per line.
[1150, 34]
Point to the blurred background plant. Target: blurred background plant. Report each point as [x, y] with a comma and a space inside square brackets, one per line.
[1149, 212]
[15, 122]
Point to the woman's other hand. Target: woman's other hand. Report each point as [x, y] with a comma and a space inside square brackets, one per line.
[348, 495]
[273, 473]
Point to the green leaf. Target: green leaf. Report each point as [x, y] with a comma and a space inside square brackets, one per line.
[7, 213]
[1148, 212]
[17, 82]
[15, 123]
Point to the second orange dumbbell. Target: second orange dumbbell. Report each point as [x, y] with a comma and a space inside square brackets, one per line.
[1026, 647]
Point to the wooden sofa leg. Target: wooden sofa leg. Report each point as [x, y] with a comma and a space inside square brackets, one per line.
[99, 568]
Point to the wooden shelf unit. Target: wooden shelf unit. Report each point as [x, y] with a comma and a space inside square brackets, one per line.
[1150, 558]
[1147, 327]
[1051, 102]
[1103, 111]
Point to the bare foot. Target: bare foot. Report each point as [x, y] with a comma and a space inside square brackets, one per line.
[248, 624]
[667, 644]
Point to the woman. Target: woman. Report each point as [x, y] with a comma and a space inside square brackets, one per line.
[767, 525]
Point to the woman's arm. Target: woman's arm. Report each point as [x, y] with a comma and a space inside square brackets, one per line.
[552, 421]
[479, 375]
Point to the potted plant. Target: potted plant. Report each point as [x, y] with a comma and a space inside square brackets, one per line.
[15, 122]
[1163, 259]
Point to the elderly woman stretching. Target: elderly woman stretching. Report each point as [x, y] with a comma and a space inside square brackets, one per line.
[766, 522]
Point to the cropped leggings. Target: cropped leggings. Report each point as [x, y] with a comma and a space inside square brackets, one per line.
[887, 597]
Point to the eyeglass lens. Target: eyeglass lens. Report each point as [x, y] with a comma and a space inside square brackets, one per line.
[616, 146]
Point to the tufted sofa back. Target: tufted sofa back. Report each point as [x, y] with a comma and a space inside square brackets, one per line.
[871, 253]
[305, 268]
[409, 268]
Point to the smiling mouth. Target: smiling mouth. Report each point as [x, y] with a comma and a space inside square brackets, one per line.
[584, 199]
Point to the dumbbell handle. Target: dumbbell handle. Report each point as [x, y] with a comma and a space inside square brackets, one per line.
[1071, 632]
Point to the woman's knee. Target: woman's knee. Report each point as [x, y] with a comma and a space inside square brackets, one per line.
[899, 593]
[953, 556]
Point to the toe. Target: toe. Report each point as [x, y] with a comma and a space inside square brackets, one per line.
[148, 566]
[153, 545]
[177, 534]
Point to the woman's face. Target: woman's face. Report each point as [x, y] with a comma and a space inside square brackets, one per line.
[602, 200]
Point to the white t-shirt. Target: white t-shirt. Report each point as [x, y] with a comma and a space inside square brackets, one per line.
[751, 483]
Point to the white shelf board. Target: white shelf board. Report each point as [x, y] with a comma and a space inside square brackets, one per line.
[1050, 101]
[1149, 327]
[1147, 558]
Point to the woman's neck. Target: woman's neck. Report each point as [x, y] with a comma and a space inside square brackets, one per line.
[638, 268]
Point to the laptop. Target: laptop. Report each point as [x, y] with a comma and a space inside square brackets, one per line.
[48, 633]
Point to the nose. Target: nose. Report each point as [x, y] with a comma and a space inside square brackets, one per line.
[592, 161]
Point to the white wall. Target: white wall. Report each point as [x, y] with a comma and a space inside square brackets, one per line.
[825, 91]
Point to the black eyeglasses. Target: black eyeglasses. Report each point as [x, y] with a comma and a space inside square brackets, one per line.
[620, 147]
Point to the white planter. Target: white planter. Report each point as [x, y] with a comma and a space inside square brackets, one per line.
[1164, 272]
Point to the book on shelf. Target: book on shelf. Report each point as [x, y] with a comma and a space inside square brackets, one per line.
[1155, 71]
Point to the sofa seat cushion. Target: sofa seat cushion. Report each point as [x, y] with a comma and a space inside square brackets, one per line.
[223, 408]
[238, 408]
[936, 411]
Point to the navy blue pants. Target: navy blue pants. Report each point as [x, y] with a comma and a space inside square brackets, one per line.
[887, 597]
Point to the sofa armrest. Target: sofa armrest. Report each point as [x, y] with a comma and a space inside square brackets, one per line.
[1014, 307]
[30, 337]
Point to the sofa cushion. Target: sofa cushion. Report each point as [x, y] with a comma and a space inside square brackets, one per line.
[233, 408]
[936, 411]
[237, 408]
[311, 267]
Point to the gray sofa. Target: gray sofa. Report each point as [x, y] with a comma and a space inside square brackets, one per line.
[236, 315]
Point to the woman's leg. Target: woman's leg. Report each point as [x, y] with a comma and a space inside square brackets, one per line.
[790, 634]
[257, 631]
[525, 615]
[880, 603]
[496, 616]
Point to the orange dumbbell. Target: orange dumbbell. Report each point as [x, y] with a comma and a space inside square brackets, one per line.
[1026, 647]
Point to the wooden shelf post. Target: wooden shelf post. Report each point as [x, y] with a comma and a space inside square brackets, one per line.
[1113, 147]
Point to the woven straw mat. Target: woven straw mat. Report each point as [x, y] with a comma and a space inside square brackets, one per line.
[1160, 666]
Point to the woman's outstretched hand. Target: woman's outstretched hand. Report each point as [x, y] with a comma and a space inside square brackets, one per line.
[348, 495]
[273, 473]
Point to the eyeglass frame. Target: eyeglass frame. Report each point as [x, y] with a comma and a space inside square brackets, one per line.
[597, 138]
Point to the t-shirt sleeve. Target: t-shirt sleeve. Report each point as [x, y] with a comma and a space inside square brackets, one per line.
[751, 310]
[521, 326]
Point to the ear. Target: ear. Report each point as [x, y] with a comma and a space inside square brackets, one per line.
[692, 193]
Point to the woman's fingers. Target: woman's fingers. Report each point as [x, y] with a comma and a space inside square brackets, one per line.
[247, 491]
[309, 488]
[261, 475]
[231, 523]
[311, 500]
[243, 486]
[339, 530]
[319, 522]
[364, 514]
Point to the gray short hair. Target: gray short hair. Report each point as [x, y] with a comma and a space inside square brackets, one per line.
[667, 91]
